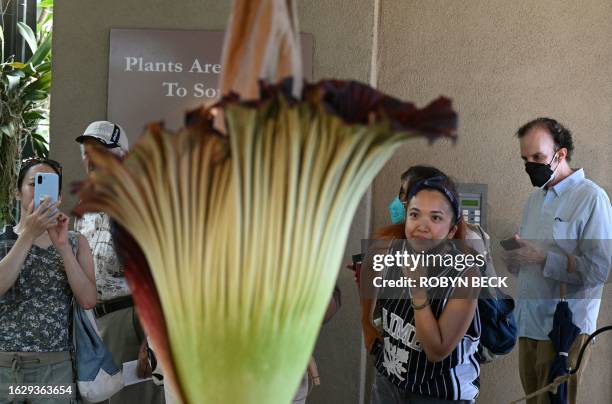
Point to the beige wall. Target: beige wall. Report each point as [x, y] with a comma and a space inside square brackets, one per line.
[503, 63]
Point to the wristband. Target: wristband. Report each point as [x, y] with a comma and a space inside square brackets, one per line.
[420, 306]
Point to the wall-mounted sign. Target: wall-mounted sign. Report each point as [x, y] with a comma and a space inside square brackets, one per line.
[158, 75]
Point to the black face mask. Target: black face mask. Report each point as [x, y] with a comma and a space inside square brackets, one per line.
[540, 174]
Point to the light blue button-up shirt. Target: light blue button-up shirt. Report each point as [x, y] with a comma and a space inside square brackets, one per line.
[572, 218]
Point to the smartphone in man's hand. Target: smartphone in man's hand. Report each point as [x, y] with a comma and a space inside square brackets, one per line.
[510, 244]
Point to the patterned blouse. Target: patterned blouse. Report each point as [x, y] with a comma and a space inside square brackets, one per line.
[110, 278]
[35, 311]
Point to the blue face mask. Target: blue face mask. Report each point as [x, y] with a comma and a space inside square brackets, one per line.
[397, 211]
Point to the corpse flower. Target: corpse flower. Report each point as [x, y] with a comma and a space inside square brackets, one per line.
[233, 243]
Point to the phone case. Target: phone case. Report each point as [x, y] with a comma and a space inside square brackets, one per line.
[46, 185]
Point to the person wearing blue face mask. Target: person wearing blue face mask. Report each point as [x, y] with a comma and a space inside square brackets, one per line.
[568, 222]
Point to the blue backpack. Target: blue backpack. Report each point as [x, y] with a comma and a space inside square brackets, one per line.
[499, 331]
[498, 326]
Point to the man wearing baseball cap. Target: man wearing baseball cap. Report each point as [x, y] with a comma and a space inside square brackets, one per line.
[107, 133]
[117, 321]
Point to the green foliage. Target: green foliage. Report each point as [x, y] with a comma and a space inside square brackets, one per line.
[25, 87]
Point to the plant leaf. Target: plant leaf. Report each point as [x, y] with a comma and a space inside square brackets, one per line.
[1, 44]
[27, 34]
[47, 18]
[5, 130]
[40, 147]
[39, 138]
[13, 81]
[17, 65]
[43, 67]
[42, 52]
[33, 116]
[33, 94]
[28, 70]
[8, 129]
[42, 83]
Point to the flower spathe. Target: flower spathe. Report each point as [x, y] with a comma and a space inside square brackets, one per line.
[233, 242]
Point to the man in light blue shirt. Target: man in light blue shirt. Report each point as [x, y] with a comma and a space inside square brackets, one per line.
[565, 239]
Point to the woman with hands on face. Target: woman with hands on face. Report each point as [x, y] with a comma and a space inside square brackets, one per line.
[426, 350]
[43, 266]
[368, 299]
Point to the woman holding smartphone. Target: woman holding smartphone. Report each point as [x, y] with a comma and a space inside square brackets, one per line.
[426, 352]
[42, 267]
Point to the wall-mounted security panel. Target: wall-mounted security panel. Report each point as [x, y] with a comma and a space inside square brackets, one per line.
[473, 203]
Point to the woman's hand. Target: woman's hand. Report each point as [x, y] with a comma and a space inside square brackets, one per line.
[418, 275]
[59, 233]
[40, 219]
[370, 335]
[32, 225]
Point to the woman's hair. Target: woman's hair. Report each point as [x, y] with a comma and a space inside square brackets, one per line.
[31, 162]
[415, 175]
[445, 186]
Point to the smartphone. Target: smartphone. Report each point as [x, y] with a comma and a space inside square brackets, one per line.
[356, 267]
[357, 260]
[46, 185]
[510, 244]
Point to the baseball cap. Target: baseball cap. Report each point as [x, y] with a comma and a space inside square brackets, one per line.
[109, 134]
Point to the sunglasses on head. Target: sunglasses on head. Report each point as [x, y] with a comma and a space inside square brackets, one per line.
[32, 161]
